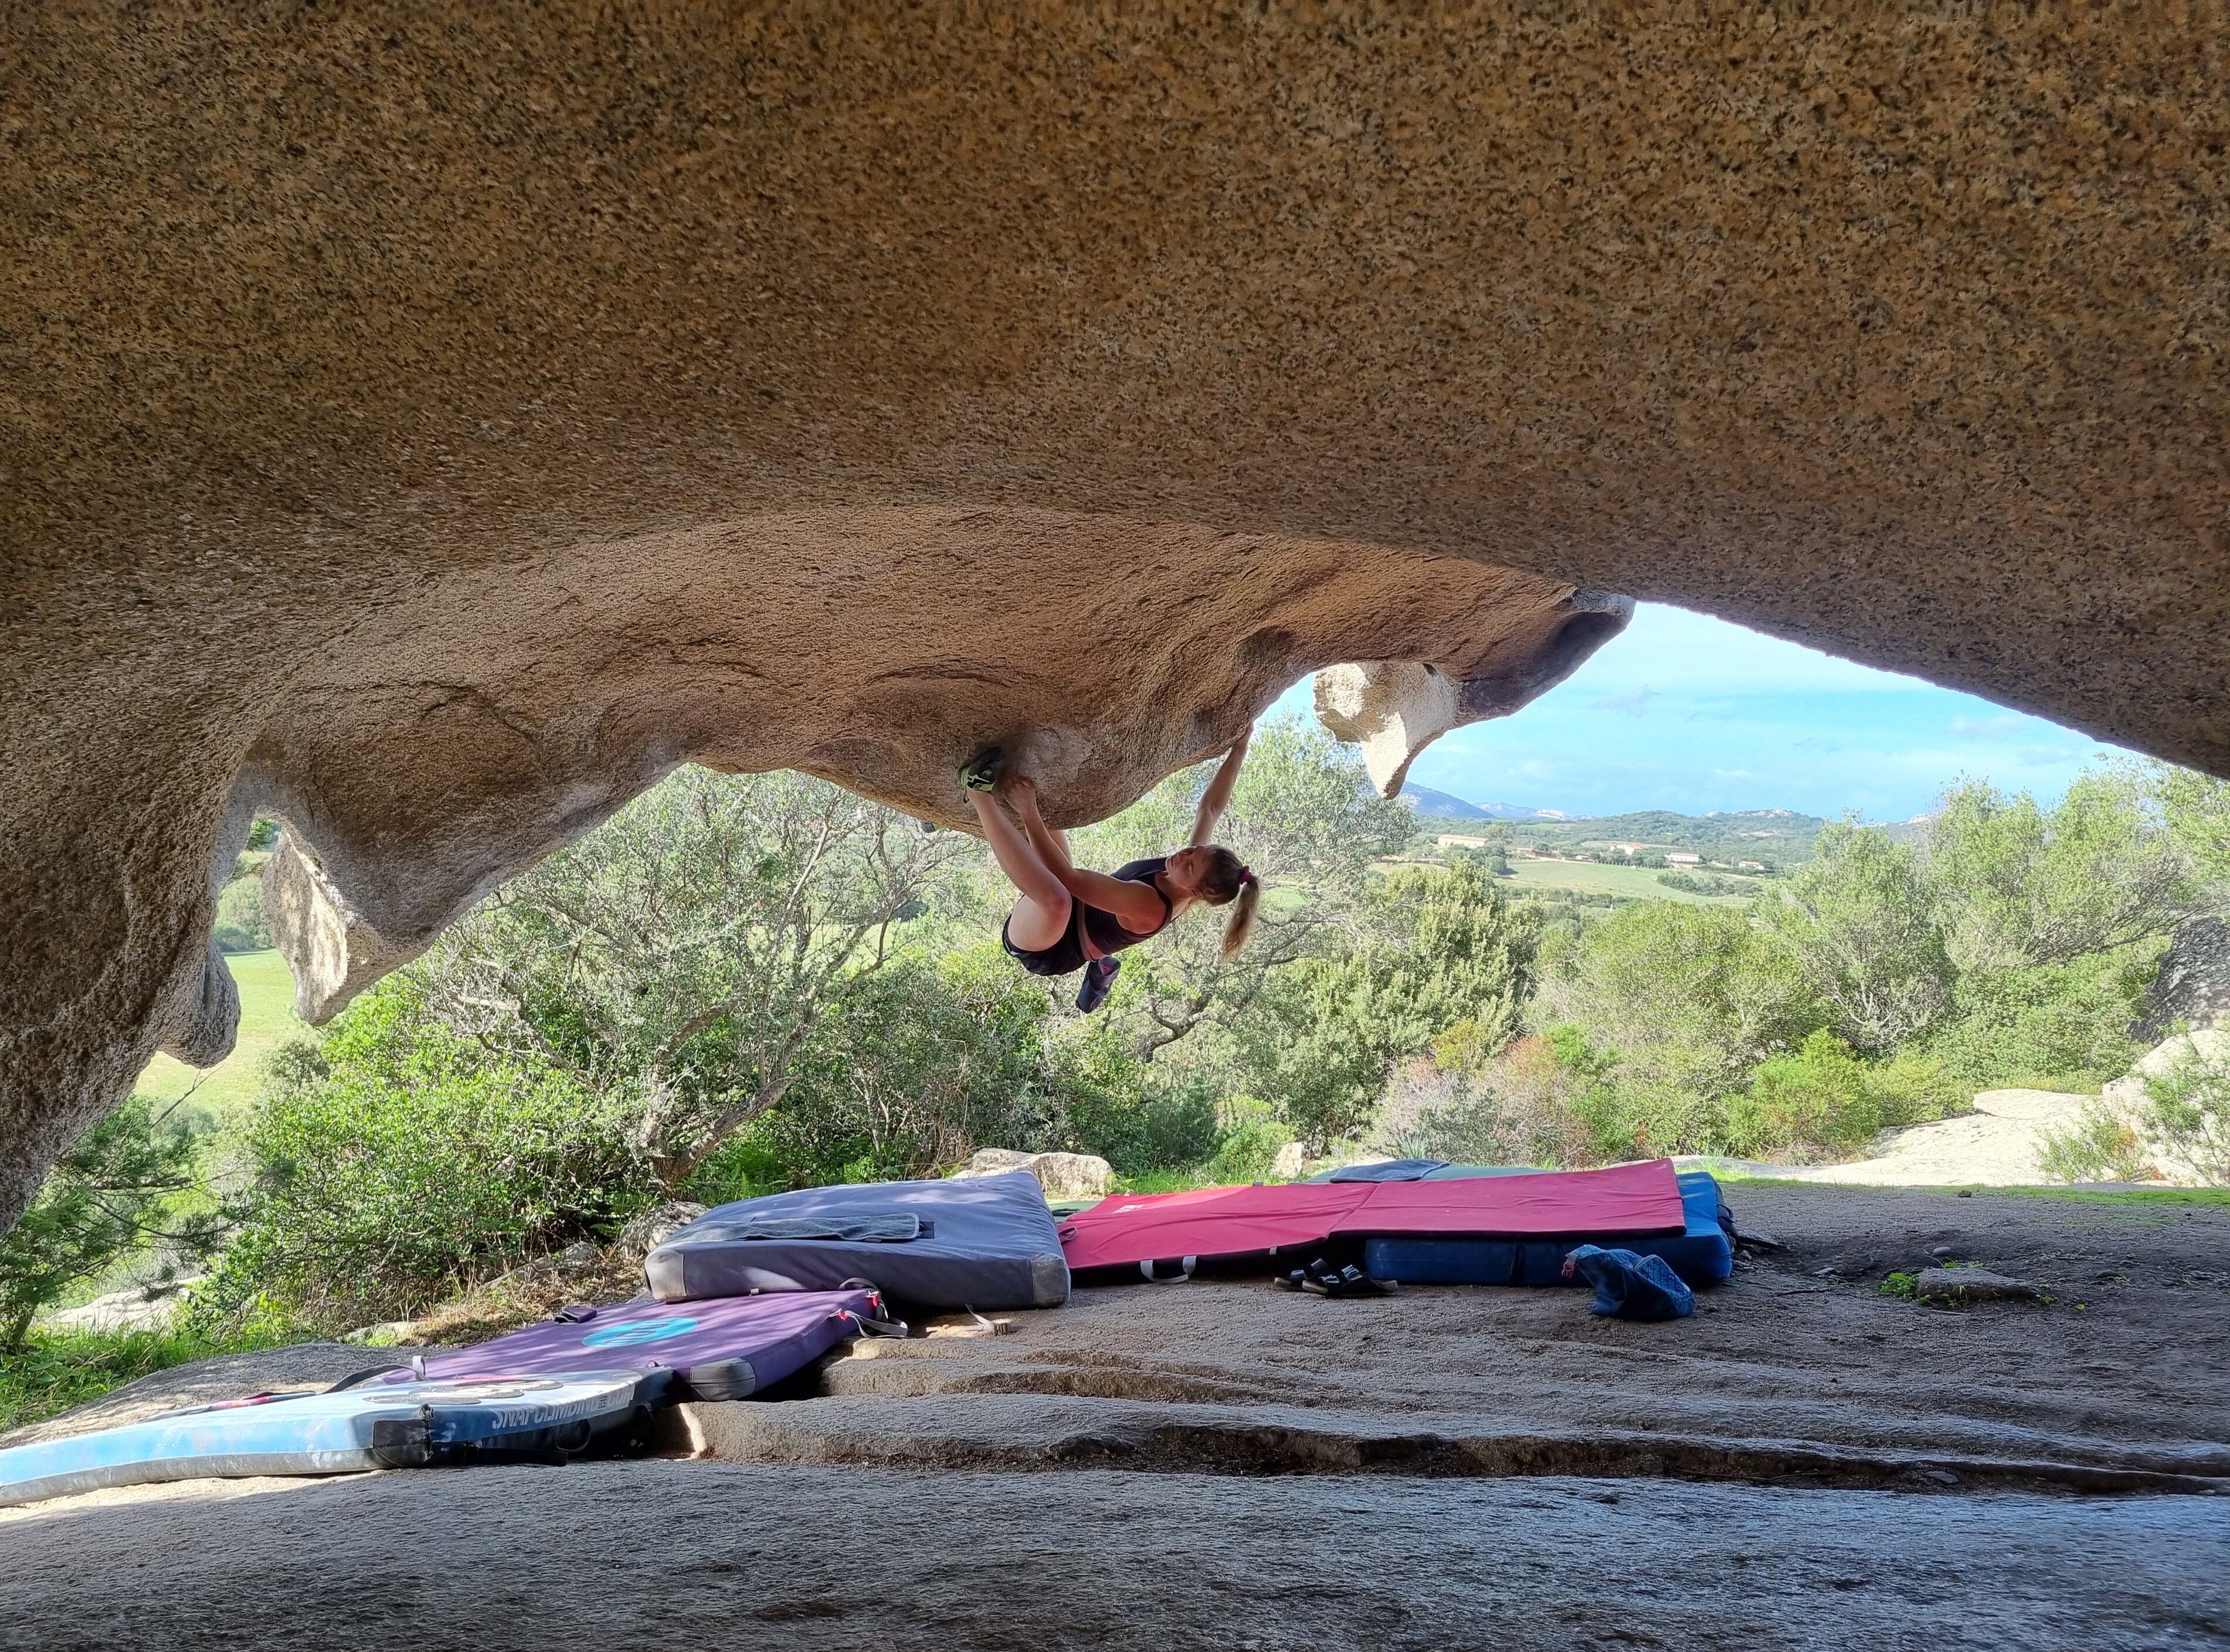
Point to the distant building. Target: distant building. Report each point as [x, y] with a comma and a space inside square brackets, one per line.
[1684, 860]
[1751, 866]
[1457, 841]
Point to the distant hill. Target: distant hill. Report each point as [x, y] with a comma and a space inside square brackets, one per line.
[1443, 806]
[1780, 837]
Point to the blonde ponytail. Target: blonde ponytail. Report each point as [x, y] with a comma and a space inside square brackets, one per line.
[1241, 924]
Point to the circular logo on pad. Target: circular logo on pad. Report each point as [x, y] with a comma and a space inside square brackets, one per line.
[628, 1335]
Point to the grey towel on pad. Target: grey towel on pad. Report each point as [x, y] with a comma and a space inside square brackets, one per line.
[894, 1227]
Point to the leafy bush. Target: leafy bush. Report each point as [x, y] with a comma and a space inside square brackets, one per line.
[1250, 1146]
[2188, 1110]
[2098, 1145]
[1525, 1105]
[2050, 1026]
[1816, 1096]
[120, 1188]
[913, 1069]
[1911, 1088]
[240, 925]
[400, 1161]
[1139, 1116]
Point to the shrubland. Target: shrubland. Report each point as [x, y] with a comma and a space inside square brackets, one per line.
[745, 983]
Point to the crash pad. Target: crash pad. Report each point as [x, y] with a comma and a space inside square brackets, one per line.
[1135, 1229]
[1642, 1197]
[725, 1347]
[987, 1242]
[1702, 1253]
[1129, 1229]
[378, 1425]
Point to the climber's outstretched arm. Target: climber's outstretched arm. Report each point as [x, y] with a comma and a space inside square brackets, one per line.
[1217, 798]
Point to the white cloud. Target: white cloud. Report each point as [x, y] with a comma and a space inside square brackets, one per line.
[1997, 728]
[1631, 702]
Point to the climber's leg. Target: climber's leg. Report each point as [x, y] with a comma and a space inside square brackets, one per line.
[1041, 917]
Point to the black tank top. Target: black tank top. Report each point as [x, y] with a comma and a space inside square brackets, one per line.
[1106, 930]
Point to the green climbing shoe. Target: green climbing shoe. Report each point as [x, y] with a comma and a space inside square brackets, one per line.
[981, 772]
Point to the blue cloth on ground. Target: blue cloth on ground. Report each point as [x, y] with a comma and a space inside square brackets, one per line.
[1632, 1287]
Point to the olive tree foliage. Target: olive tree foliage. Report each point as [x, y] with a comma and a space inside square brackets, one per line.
[123, 1186]
[689, 949]
[1306, 818]
[2022, 885]
[1861, 921]
[2195, 811]
[1442, 954]
[1688, 1000]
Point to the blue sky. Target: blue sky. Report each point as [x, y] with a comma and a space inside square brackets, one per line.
[1686, 712]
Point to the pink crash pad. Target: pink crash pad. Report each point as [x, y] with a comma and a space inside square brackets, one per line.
[1207, 1222]
[1619, 1199]
[1128, 1229]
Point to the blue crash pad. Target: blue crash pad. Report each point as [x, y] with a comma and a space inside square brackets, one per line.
[1702, 1254]
[375, 1426]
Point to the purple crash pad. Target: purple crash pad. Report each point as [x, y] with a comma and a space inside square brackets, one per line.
[722, 1348]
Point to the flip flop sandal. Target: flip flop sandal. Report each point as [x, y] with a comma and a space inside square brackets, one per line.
[1350, 1281]
[981, 772]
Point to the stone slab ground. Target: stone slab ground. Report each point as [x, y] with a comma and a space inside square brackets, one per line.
[1806, 1462]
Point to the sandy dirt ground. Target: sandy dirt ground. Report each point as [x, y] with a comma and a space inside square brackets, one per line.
[1805, 1462]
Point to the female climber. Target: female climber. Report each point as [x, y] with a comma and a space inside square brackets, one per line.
[1068, 918]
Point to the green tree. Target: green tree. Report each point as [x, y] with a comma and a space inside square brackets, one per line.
[1676, 1004]
[1694, 994]
[1859, 920]
[1306, 818]
[1321, 1042]
[2055, 1025]
[124, 1186]
[1456, 951]
[687, 951]
[2022, 885]
[401, 1159]
[2194, 810]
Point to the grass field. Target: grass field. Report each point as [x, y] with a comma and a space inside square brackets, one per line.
[1633, 882]
[267, 1016]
